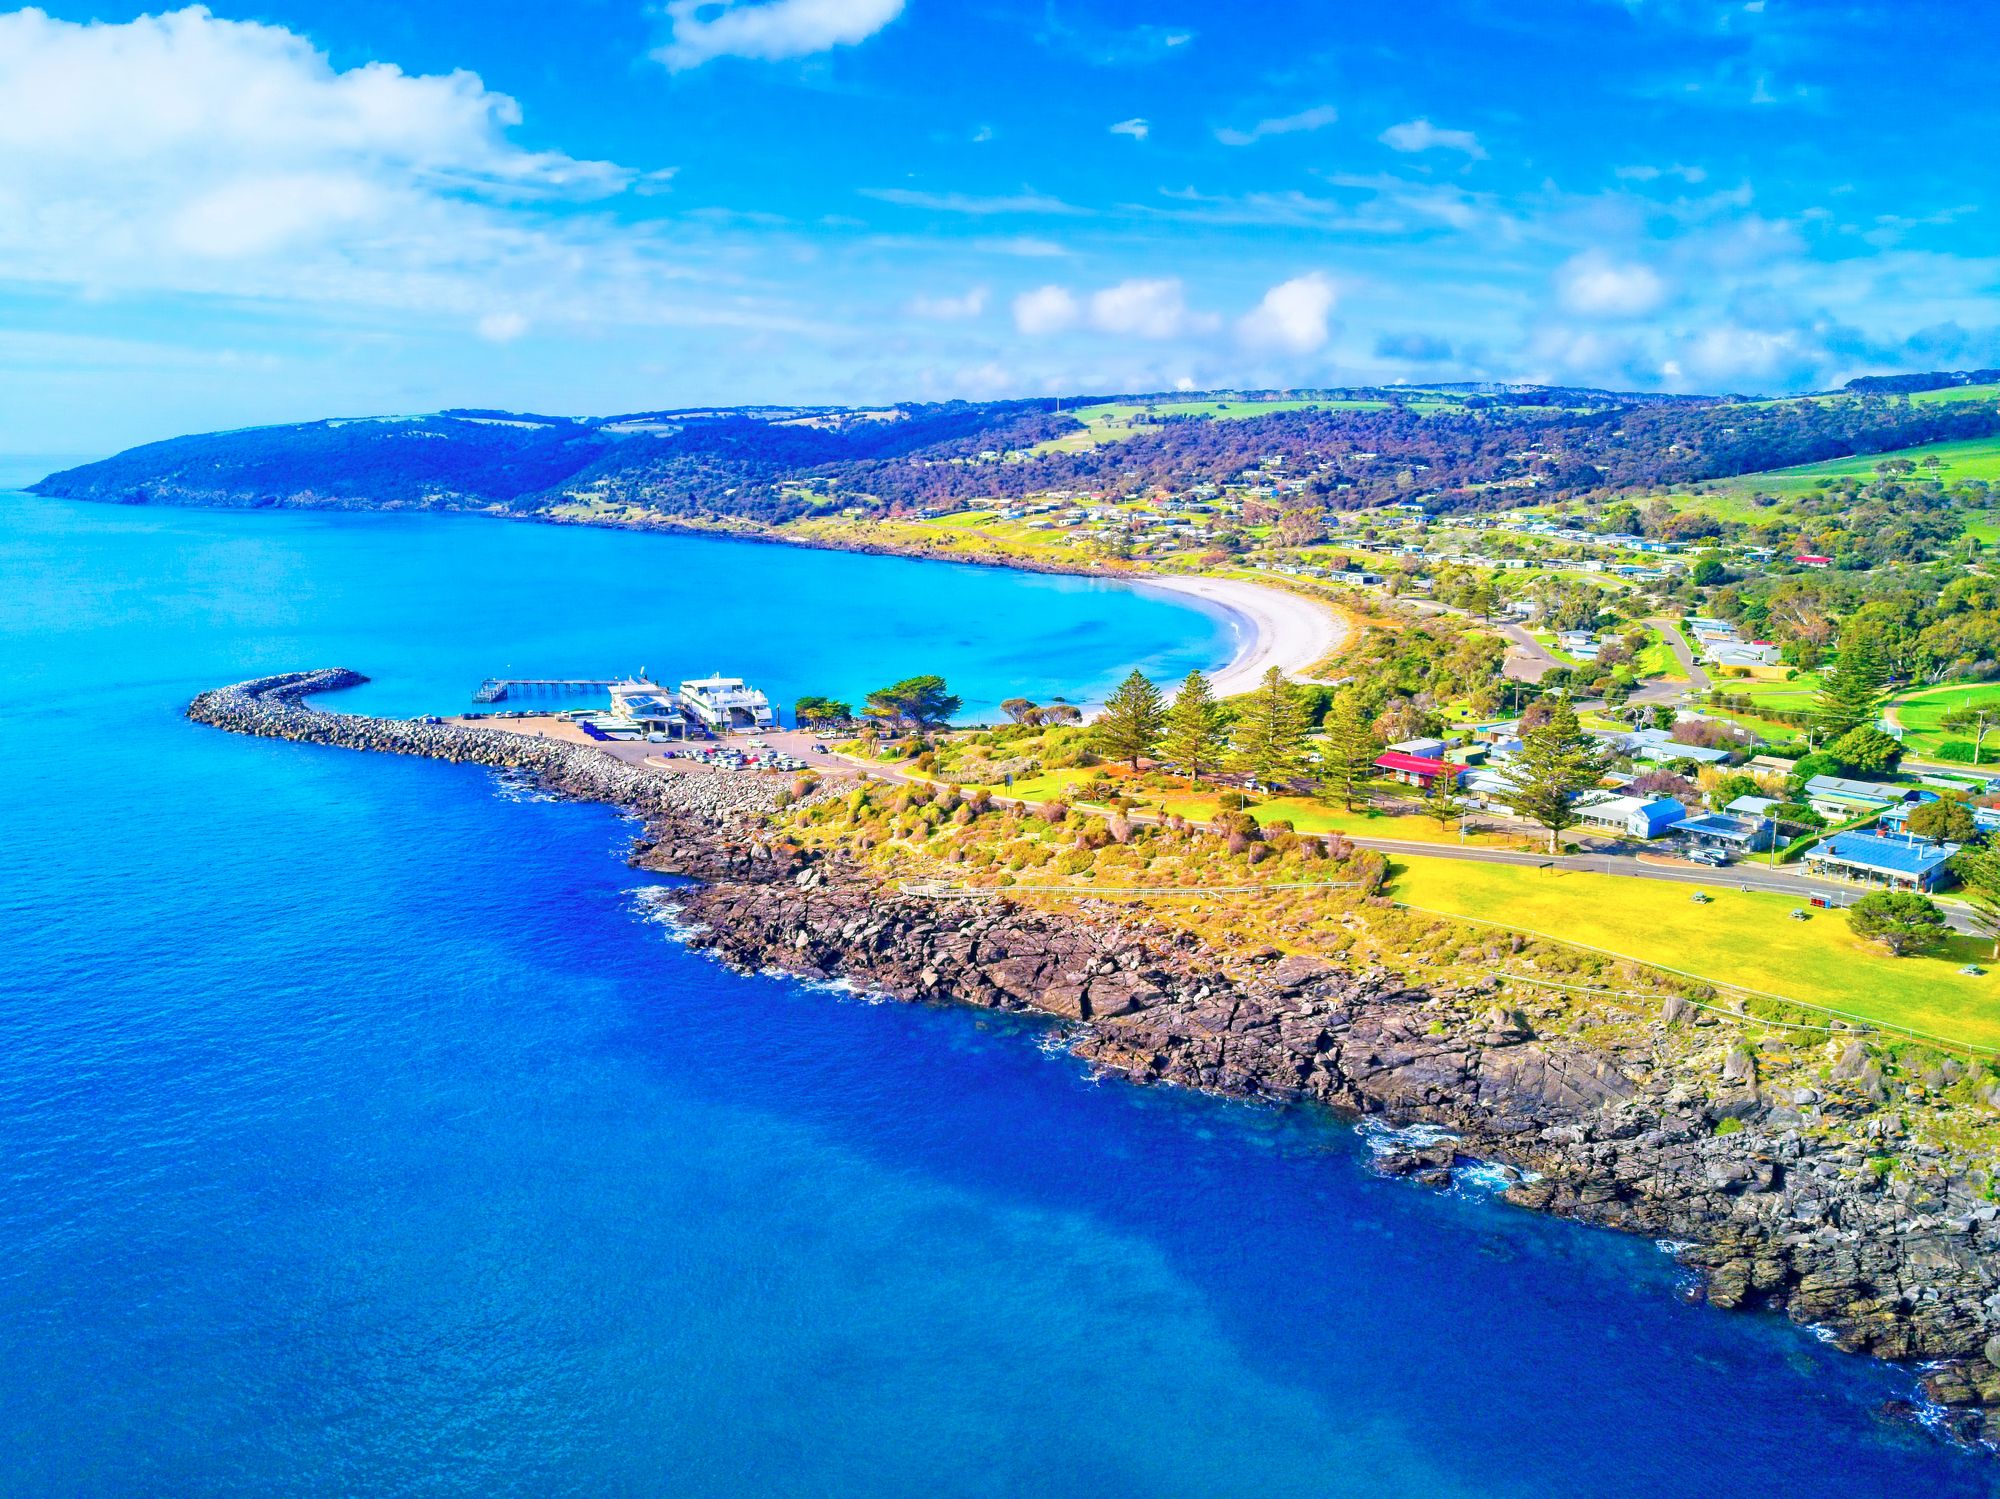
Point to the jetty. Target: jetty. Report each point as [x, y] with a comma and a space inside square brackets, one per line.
[500, 689]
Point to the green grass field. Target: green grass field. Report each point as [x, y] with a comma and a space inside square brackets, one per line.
[1976, 458]
[1954, 394]
[1740, 938]
[1919, 713]
[1115, 421]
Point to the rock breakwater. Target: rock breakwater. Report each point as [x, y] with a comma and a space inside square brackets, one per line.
[1774, 1210]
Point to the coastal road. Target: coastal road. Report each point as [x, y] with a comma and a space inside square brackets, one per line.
[1599, 857]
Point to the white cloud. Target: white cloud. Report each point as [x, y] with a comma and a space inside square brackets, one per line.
[502, 327]
[1316, 118]
[182, 154]
[1145, 308]
[1292, 317]
[1046, 310]
[1137, 128]
[1647, 173]
[1422, 135]
[971, 203]
[1594, 285]
[703, 30]
[949, 309]
[1142, 307]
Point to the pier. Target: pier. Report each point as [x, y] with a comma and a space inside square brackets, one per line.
[500, 689]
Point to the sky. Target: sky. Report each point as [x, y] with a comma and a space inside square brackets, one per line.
[277, 210]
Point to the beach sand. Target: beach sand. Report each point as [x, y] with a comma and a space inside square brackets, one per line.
[1274, 628]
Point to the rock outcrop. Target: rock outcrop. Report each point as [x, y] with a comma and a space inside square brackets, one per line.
[1772, 1214]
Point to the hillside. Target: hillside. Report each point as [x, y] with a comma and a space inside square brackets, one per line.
[1457, 448]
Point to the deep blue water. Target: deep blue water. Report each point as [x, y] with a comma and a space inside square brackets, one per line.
[360, 1134]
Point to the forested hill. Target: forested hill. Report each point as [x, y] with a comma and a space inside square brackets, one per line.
[1456, 447]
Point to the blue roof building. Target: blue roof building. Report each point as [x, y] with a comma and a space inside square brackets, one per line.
[1904, 863]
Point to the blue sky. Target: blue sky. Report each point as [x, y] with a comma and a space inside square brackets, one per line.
[211, 218]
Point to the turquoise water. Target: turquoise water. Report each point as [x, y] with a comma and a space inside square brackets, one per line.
[361, 1134]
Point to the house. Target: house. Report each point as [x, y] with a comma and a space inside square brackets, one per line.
[1415, 770]
[1736, 835]
[1771, 765]
[1812, 559]
[1837, 799]
[1903, 863]
[1575, 640]
[1488, 788]
[1659, 747]
[1751, 806]
[1742, 653]
[1428, 749]
[1644, 817]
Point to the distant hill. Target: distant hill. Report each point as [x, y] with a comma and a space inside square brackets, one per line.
[1463, 446]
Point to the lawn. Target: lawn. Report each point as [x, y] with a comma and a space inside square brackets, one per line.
[1115, 421]
[1920, 713]
[1975, 458]
[1741, 938]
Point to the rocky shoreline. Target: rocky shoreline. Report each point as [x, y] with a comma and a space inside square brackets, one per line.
[1903, 1267]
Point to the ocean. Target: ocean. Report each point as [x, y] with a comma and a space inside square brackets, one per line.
[365, 1131]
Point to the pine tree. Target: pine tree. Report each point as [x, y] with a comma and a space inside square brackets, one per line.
[1270, 731]
[1194, 737]
[1349, 751]
[1557, 763]
[1850, 694]
[1132, 719]
[1441, 798]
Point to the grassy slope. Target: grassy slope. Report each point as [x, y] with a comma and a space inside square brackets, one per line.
[1920, 711]
[1114, 421]
[1741, 938]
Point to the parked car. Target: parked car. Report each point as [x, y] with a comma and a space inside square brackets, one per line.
[1714, 858]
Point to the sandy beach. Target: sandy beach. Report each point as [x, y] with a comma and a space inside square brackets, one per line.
[1273, 627]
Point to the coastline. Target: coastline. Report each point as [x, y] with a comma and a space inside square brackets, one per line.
[1285, 630]
[1769, 1216]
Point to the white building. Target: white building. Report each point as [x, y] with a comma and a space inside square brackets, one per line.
[725, 703]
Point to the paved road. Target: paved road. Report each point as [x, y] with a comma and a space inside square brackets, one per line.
[1697, 675]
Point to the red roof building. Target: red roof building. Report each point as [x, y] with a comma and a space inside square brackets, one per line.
[1413, 770]
[1812, 559]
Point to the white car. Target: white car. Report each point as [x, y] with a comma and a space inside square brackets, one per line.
[1714, 858]
[656, 739]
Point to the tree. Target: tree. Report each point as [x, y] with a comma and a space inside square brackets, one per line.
[1707, 572]
[1556, 764]
[1132, 720]
[1976, 721]
[1020, 709]
[1441, 798]
[1194, 729]
[1269, 732]
[1946, 820]
[1978, 871]
[1850, 693]
[818, 710]
[921, 702]
[1901, 920]
[1348, 753]
[1867, 751]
